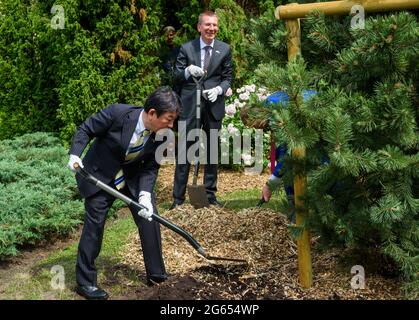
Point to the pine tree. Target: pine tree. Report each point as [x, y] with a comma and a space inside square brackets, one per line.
[360, 131]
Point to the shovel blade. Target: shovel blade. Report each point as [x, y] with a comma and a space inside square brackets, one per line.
[198, 196]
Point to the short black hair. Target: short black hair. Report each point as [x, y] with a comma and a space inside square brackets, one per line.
[163, 99]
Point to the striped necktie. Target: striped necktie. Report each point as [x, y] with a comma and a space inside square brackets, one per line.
[132, 152]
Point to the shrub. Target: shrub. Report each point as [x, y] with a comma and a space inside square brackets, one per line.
[38, 195]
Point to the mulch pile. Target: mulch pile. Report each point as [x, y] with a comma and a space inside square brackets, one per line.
[228, 181]
[259, 236]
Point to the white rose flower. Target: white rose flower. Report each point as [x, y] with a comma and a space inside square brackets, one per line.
[230, 110]
[247, 159]
[244, 96]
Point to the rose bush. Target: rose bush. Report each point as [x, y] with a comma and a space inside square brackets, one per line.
[233, 126]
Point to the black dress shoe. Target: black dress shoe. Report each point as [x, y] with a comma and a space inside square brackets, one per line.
[152, 280]
[175, 204]
[92, 292]
[214, 202]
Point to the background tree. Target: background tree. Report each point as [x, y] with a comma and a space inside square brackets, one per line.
[52, 79]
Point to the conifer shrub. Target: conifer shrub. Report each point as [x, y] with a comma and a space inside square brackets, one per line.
[360, 133]
[39, 199]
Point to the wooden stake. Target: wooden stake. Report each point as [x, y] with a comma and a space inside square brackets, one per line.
[300, 180]
[303, 242]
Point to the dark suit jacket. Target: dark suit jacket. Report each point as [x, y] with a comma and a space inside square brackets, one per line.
[219, 74]
[112, 129]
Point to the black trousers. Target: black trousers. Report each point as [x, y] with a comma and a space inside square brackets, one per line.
[210, 126]
[97, 207]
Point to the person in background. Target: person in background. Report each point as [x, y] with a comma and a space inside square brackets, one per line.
[276, 180]
[210, 58]
[169, 53]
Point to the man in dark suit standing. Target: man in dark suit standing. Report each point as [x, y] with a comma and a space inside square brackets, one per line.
[122, 155]
[210, 58]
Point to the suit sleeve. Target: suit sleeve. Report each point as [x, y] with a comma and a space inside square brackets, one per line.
[182, 62]
[95, 126]
[227, 72]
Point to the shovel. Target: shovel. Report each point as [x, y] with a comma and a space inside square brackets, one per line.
[197, 193]
[132, 204]
[260, 203]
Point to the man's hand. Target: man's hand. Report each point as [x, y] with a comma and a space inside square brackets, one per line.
[195, 71]
[266, 193]
[145, 200]
[272, 184]
[74, 159]
[213, 93]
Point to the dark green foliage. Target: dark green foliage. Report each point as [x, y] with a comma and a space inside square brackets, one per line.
[52, 79]
[25, 105]
[233, 20]
[360, 132]
[38, 195]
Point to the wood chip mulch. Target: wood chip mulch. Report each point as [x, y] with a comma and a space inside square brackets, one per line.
[259, 236]
[228, 181]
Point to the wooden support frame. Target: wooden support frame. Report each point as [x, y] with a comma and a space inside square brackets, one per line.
[295, 10]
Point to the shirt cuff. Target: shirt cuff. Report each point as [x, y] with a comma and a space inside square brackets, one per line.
[145, 193]
[187, 74]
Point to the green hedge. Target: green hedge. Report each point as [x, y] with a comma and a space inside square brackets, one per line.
[52, 79]
[38, 194]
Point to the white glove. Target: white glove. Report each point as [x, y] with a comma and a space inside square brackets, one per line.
[213, 93]
[74, 159]
[195, 71]
[145, 200]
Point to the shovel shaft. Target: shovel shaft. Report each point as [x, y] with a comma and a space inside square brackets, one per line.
[260, 203]
[159, 219]
[198, 105]
[195, 175]
[133, 204]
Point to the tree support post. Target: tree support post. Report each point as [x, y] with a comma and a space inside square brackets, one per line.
[300, 180]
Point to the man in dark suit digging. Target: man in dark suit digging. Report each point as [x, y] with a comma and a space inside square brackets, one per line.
[122, 155]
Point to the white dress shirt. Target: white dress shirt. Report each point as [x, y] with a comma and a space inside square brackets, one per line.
[202, 45]
[137, 132]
